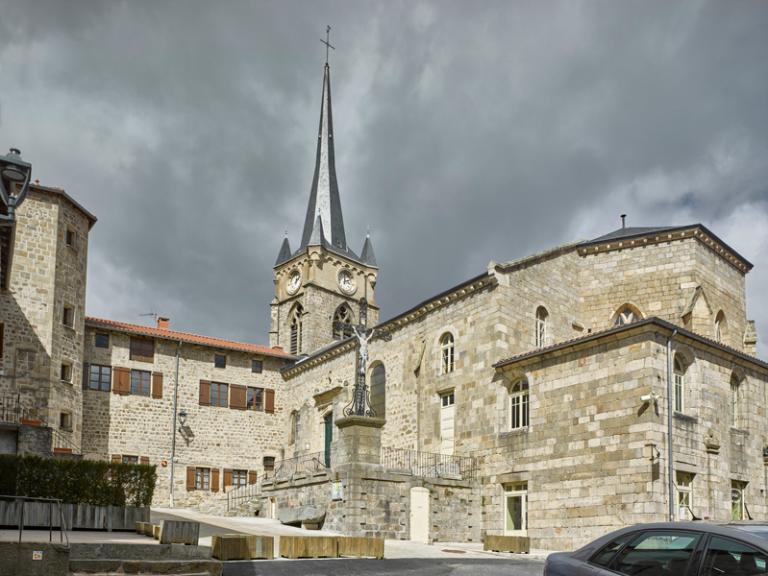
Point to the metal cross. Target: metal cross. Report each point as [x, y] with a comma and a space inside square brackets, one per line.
[327, 42]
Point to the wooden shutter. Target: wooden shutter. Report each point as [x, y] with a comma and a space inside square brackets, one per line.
[144, 460]
[205, 393]
[85, 370]
[214, 479]
[116, 458]
[121, 381]
[269, 400]
[190, 478]
[157, 385]
[237, 397]
[227, 478]
[252, 476]
[2, 336]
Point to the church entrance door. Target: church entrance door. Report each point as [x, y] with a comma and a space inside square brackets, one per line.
[328, 424]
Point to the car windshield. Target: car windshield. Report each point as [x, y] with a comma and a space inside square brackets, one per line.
[760, 530]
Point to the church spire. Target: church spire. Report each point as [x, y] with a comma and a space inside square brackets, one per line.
[324, 202]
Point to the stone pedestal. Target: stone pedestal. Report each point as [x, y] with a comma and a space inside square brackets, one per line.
[358, 442]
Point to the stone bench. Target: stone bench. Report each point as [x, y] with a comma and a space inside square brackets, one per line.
[361, 546]
[179, 532]
[242, 547]
[309, 547]
[516, 544]
[309, 517]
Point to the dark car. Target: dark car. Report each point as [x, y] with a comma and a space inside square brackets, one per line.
[669, 549]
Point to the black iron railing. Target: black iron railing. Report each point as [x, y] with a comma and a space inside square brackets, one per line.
[429, 464]
[292, 467]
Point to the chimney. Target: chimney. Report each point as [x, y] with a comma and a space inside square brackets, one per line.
[623, 220]
[163, 323]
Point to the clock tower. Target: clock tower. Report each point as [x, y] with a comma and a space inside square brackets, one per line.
[321, 286]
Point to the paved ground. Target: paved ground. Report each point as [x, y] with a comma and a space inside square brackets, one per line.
[399, 567]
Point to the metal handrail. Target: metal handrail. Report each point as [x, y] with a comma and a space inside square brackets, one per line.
[290, 467]
[51, 501]
[429, 464]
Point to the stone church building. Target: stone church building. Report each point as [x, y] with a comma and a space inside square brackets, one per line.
[532, 399]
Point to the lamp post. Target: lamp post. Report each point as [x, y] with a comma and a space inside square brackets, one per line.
[15, 175]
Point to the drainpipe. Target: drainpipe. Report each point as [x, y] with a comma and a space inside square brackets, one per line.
[173, 431]
[670, 407]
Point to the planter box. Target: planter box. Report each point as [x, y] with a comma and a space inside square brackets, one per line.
[179, 532]
[361, 546]
[517, 544]
[242, 547]
[309, 547]
[156, 531]
[76, 516]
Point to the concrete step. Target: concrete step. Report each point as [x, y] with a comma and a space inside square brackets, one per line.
[146, 567]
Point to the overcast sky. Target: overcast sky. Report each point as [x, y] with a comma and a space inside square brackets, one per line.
[465, 132]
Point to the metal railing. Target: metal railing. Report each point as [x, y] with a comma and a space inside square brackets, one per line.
[240, 494]
[429, 464]
[61, 440]
[290, 468]
[11, 409]
[52, 502]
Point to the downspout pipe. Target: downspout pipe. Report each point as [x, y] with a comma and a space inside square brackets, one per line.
[173, 431]
[670, 450]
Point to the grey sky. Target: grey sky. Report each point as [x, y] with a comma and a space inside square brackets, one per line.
[465, 132]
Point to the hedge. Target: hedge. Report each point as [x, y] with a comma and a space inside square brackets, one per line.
[77, 481]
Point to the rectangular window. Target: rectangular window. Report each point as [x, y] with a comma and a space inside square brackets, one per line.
[447, 411]
[255, 399]
[679, 393]
[101, 340]
[239, 478]
[738, 502]
[684, 481]
[65, 421]
[142, 349]
[202, 478]
[257, 366]
[130, 459]
[141, 382]
[516, 509]
[68, 316]
[269, 463]
[220, 360]
[219, 394]
[66, 372]
[99, 377]
[69, 238]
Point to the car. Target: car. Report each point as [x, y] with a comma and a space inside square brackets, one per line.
[669, 549]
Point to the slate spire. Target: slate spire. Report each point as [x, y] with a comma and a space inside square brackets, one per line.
[324, 200]
[285, 252]
[367, 255]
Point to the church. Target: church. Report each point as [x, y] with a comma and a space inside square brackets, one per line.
[553, 397]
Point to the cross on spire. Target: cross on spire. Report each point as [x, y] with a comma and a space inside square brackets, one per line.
[327, 42]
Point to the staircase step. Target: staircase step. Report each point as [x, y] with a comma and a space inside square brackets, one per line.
[154, 567]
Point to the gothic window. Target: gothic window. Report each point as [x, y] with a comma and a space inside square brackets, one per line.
[519, 405]
[720, 325]
[626, 315]
[737, 404]
[378, 390]
[679, 381]
[342, 322]
[447, 353]
[542, 326]
[296, 329]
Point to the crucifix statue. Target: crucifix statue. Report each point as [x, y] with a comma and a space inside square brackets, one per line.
[361, 403]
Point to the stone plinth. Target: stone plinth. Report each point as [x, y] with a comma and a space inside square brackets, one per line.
[359, 441]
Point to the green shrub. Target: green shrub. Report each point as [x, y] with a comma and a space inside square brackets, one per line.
[77, 481]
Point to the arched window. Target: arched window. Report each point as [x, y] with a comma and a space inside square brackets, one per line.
[342, 322]
[626, 315]
[378, 390]
[679, 381]
[720, 326]
[296, 329]
[737, 403]
[542, 327]
[518, 396]
[447, 353]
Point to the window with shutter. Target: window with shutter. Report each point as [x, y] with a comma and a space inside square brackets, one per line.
[157, 385]
[191, 478]
[140, 382]
[227, 478]
[252, 476]
[142, 349]
[99, 377]
[144, 460]
[269, 400]
[239, 478]
[219, 394]
[255, 400]
[205, 393]
[214, 480]
[121, 381]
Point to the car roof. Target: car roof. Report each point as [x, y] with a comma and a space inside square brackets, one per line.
[732, 531]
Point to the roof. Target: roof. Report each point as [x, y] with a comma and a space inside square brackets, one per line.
[187, 337]
[653, 320]
[631, 232]
[61, 192]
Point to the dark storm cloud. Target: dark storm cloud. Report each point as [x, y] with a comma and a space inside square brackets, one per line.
[465, 132]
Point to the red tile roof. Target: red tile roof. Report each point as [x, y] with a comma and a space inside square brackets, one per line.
[187, 337]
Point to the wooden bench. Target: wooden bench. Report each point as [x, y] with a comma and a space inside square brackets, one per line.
[516, 544]
[242, 547]
[309, 546]
[361, 546]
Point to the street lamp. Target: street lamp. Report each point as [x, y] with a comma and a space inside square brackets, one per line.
[15, 175]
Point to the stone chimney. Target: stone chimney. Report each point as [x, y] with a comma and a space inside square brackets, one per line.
[163, 323]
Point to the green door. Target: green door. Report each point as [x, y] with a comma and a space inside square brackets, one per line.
[328, 420]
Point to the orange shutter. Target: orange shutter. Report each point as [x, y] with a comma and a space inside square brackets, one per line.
[227, 478]
[190, 478]
[269, 400]
[157, 385]
[252, 476]
[237, 395]
[144, 460]
[116, 459]
[121, 381]
[214, 479]
[205, 393]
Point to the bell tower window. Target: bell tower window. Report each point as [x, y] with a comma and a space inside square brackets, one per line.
[342, 322]
[296, 329]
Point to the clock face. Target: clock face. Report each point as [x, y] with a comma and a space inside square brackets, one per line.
[347, 282]
[294, 282]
